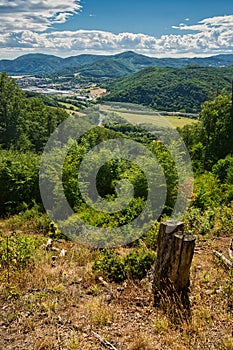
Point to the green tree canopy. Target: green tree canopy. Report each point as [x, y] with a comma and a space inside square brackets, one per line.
[25, 123]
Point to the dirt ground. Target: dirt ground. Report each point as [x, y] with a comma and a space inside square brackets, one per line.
[60, 304]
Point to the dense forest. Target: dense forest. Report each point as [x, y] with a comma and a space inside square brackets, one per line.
[172, 89]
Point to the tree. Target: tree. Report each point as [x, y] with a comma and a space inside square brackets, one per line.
[216, 118]
[12, 100]
[25, 123]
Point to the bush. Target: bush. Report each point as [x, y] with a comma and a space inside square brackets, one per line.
[17, 251]
[138, 262]
[19, 181]
[215, 220]
[34, 219]
[133, 265]
[111, 265]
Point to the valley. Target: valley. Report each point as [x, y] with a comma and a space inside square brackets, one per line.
[63, 286]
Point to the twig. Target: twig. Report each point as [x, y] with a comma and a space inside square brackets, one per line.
[7, 259]
[223, 259]
[231, 249]
[104, 342]
[103, 282]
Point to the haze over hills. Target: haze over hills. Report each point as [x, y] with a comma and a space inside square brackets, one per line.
[98, 66]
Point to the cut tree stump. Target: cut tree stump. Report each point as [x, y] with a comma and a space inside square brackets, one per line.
[171, 271]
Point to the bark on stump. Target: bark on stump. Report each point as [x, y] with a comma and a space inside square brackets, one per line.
[171, 271]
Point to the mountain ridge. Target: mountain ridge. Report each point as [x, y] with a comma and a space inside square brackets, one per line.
[129, 61]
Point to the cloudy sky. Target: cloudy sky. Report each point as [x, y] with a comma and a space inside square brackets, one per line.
[166, 28]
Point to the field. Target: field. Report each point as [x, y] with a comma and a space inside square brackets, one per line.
[145, 116]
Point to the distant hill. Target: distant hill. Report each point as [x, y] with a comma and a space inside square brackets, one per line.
[98, 66]
[31, 64]
[172, 89]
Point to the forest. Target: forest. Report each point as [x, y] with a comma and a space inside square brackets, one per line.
[182, 89]
[25, 126]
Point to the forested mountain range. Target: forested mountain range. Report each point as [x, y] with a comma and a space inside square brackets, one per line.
[102, 66]
[172, 89]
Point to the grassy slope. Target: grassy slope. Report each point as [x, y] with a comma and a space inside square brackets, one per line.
[57, 305]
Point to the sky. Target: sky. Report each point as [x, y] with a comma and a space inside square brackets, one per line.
[155, 28]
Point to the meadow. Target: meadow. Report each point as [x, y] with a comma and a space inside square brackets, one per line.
[148, 117]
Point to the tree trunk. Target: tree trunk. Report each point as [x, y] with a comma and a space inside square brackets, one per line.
[171, 271]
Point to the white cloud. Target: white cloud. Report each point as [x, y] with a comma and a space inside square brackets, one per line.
[37, 15]
[209, 36]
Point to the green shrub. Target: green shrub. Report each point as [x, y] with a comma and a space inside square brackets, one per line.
[19, 181]
[138, 262]
[215, 220]
[198, 221]
[150, 238]
[133, 265]
[111, 265]
[34, 219]
[17, 250]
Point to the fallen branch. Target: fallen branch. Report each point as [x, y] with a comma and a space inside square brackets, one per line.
[223, 259]
[231, 249]
[103, 282]
[104, 342]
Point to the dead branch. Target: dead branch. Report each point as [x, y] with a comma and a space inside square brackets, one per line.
[223, 259]
[231, 249]
[103, 282]
[104, 342]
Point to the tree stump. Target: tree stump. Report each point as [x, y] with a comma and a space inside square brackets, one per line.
[171, 271]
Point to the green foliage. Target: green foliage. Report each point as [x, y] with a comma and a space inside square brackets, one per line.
[215, 219]
[150, 238]
[217, 120]
[101, 219]
[33, 219]
[18, 251]
[200, 222]
[171, 89]
[211, 140]
[54, 232]
[25, 124]
[133, 265]
[11, 111]
[19, 181]
[223, 169]
[111, 265]
[207, 191]
[138, 262]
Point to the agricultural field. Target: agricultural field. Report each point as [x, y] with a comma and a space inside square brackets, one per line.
[145, 116]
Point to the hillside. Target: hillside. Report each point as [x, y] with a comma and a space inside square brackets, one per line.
[104, 68]
[31, 64]
[58, 304]
[59, 292]
[122, 64]
[172, 89]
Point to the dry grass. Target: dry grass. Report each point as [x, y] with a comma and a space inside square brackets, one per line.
[56, 305]
[143, 117]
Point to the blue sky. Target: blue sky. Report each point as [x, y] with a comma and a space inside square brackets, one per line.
[155, 28]
[149, 16]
